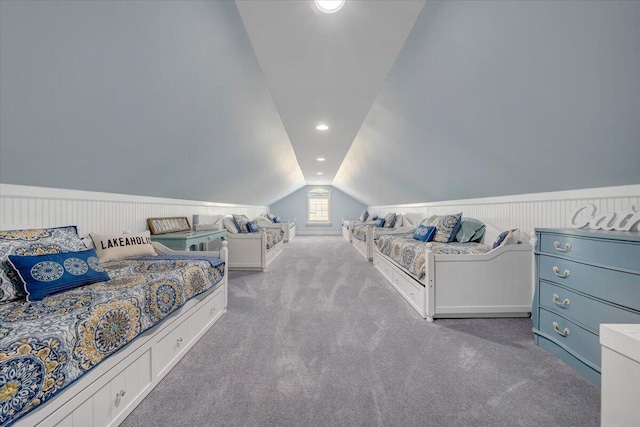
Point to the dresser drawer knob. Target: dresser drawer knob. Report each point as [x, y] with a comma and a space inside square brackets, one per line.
[561, 304]
[179, 340]
[564, 274]
[556, 327]
[558, 246]
[120, 394]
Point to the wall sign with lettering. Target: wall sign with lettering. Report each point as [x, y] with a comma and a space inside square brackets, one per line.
[589, 217]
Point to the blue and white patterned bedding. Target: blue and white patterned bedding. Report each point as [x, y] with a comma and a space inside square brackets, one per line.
[274, 237]
[360, 233]
[410, 253]
[47, 345]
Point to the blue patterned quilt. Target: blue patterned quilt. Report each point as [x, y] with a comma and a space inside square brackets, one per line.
[360, 233]
[410, 253]
[274, 237]
[47, 345]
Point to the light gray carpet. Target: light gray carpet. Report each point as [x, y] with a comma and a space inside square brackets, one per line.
[320, 339]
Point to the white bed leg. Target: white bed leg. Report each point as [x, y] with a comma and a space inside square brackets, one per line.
[429, 318]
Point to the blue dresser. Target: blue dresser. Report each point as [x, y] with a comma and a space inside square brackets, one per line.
[583, 278]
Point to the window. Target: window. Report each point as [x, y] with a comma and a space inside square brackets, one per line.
[318, 207]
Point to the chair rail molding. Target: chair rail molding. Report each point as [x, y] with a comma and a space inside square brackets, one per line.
[528, 211]
[24, 206]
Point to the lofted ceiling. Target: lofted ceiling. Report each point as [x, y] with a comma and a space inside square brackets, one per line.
[218, 100]
[449, 100]
[325, 68]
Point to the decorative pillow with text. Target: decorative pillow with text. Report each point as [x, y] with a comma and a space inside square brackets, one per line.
[117, 246]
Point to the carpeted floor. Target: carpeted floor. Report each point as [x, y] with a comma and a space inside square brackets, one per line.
[320, 339]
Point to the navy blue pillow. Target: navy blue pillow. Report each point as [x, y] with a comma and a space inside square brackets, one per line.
[425, 233]
[380, 222]
[276, 220]
[501, 238]
[253, 227]
[44, 275]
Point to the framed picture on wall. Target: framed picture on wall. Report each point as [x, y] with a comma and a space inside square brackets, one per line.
[168, 225]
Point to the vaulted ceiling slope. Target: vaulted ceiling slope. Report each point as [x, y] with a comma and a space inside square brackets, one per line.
[498, 98]
[149, 98]
[325, 68]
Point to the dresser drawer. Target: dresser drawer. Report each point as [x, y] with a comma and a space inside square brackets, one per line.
[584, 310]
[382, 265]
[610, 285]
[611, 253]
[414, 293]
[577, 340]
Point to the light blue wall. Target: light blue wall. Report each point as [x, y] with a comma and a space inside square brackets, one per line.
[295, 206]
[156, 98]
[491, 98]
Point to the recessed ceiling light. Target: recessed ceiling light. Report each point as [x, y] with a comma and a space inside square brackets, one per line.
[319, 173]
[322, 127]
[321, 159]
[329, 6]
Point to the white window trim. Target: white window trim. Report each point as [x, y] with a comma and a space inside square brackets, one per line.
[310, 195]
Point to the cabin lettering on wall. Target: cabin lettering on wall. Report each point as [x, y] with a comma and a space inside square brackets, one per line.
[588, 216]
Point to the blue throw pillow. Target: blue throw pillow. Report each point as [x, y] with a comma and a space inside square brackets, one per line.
[390, 220]
[501, 238]
[253, 227]
[380, 222]
[425, 233]
[31, 242]
[446, 226]
[44, 275]
[276, 220]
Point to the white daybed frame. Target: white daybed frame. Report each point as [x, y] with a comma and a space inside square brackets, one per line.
[108, 393]
[346, 230]
[366, 247]
[249, 250]
[289, 228]
[495, 284]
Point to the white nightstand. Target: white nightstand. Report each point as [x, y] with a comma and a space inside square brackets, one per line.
[620, 374]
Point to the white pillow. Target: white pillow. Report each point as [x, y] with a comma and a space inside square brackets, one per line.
[412, 218]
[230, 225]
[110, 247]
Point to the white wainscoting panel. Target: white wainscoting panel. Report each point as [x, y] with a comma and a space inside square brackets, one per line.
[526, 211]
[31, 207]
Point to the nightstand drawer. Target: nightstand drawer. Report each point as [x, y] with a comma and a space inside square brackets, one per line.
[584, 310]
[611, 253]
[616, 286]
[574, 338]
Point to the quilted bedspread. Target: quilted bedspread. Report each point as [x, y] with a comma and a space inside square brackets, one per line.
[360, 233]
[47, 345]
[274, 237]
[410, 253]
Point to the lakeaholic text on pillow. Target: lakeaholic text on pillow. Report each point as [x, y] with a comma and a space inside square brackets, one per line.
[117, 246]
